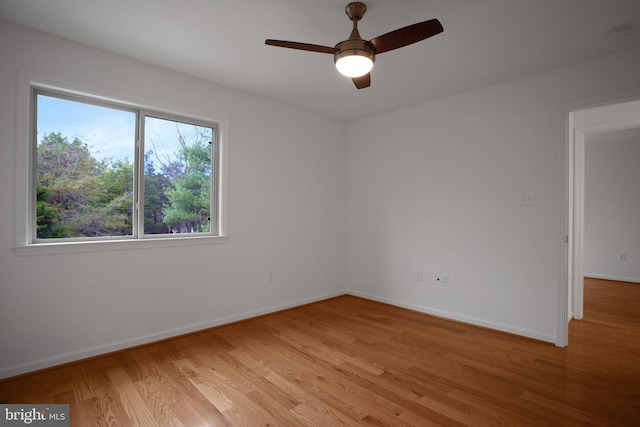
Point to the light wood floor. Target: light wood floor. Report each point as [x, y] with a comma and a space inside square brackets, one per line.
[348, 361]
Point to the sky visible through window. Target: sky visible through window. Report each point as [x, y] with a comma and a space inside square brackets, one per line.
[108, 132]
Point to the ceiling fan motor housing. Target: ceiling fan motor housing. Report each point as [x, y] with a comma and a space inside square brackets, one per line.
[357, 47]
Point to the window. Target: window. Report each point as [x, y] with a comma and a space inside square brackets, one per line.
[105, 171]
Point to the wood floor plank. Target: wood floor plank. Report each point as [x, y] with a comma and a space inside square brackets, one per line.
[138, 410]
[349, 361]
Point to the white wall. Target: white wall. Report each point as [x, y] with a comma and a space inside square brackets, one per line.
[286, 199]
[438, 187]
[612, 206]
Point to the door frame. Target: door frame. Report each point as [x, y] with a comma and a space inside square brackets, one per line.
[605, 117]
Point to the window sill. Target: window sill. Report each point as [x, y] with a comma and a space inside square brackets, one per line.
[115, 245]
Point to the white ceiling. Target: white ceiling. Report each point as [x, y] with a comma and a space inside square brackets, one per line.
[484, 42]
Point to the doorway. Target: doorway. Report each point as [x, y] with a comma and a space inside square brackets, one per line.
[584, 123]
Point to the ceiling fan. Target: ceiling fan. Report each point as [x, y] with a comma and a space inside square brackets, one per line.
[355, 56]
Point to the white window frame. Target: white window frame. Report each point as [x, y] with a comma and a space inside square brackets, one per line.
[26, 242]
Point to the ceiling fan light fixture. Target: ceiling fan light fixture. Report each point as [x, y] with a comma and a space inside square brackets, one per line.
[354, 58]
[354, 65]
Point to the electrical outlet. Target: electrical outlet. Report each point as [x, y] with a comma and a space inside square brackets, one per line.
[418, 275]
[442, 279]
[528, 199]
[272, 276]
[622, 256]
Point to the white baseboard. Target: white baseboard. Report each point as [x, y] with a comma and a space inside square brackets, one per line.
[36, 365]
[616, 278]
[460, 318]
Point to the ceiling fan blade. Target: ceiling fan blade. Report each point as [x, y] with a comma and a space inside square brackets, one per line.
[362, 81]
[301, 46]
[406, 35]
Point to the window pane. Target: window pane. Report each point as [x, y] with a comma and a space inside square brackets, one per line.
[177, 177]
[84, 169]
